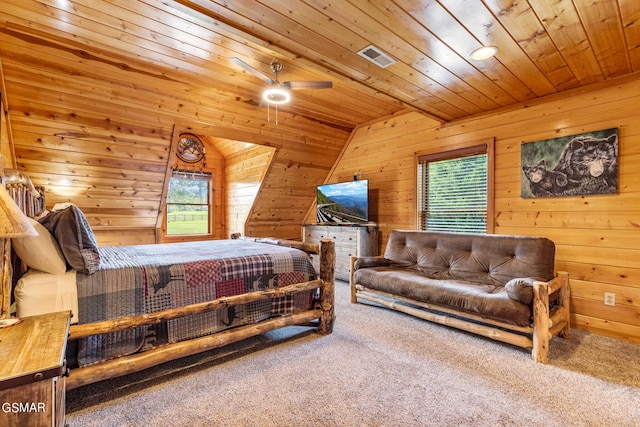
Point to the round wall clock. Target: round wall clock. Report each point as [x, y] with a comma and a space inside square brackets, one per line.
[190, 148]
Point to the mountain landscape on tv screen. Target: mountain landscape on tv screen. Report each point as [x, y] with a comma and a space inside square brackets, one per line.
[346, 208]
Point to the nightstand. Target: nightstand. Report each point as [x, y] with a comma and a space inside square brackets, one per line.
[32, 371]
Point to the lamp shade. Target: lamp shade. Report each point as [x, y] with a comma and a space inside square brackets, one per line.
[13, 223]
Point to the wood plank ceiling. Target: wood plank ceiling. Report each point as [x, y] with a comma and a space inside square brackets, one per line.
[96, 90]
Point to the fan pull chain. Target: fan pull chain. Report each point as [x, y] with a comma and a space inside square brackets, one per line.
[269, 113]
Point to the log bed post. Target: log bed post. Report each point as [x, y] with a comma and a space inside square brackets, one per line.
[327, 269]
[5, 291]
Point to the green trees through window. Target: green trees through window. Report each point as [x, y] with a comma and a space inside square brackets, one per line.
[453, 194]
[188, 207]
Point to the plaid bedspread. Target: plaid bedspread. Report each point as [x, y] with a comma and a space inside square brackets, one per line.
[147, 278]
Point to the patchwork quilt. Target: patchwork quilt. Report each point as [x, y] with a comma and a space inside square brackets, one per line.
[147, 278]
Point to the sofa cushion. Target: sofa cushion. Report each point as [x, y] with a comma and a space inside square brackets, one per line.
[487, 300]
[521, 289]
[482, 258]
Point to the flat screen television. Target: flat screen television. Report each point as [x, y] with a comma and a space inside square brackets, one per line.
[343, 203]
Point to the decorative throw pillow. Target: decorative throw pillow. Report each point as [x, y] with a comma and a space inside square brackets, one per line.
[521, 289]
[40, 252]
[76, 239]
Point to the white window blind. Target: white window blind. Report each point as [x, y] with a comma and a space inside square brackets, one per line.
[452, 191]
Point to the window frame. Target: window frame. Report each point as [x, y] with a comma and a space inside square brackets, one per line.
[202, 175]
[462, 150]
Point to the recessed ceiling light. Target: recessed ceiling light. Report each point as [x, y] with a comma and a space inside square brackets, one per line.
[484, 52]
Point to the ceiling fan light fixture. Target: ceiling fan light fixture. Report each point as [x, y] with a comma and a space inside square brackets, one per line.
[484, 52]
[276, 95]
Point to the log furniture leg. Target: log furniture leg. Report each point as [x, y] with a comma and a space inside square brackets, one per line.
[327, 297]
[564, 301]
[541, 337]
[352, 282]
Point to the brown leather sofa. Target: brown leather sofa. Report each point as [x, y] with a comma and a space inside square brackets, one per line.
[503, 287]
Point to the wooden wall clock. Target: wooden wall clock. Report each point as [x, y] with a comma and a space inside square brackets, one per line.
[190, 148]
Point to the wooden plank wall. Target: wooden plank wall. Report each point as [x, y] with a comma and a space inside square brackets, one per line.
[288, 188]
[244, 174]
[597, 237]
[108, 154]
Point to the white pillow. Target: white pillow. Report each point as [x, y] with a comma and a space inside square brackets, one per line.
[40, 252]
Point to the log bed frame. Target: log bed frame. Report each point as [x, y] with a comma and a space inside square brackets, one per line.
[322, 317]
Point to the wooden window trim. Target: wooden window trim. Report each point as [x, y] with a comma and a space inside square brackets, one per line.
[205, 175]
[465, 149]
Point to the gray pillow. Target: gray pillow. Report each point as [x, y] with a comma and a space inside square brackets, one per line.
[75, 237]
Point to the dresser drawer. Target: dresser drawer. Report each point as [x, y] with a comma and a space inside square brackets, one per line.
[349, 241]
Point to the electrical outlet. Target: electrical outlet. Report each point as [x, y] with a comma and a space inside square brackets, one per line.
[609, 298]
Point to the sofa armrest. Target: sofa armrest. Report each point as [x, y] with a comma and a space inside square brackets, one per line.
[370, 261]
[548, 323]
[363, 262]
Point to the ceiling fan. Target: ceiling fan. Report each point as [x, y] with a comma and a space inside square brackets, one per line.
[278, 93]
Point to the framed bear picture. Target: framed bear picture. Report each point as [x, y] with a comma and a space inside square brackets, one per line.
[582, 164]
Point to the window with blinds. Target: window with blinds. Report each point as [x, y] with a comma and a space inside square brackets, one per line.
[452, 191]
[188, 203]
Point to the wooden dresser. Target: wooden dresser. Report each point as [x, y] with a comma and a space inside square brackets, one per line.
[32, 391]
[356, 240]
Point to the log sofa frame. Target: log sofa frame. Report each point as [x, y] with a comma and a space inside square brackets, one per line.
[546, 324]
[321, 317]
[549, 320]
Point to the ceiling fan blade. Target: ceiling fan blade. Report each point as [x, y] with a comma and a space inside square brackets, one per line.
[248, 68]
[308, 84]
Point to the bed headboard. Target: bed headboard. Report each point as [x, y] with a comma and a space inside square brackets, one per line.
[28, 197]
[31, 201]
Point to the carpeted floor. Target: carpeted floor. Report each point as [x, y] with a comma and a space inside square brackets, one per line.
[378, 368]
